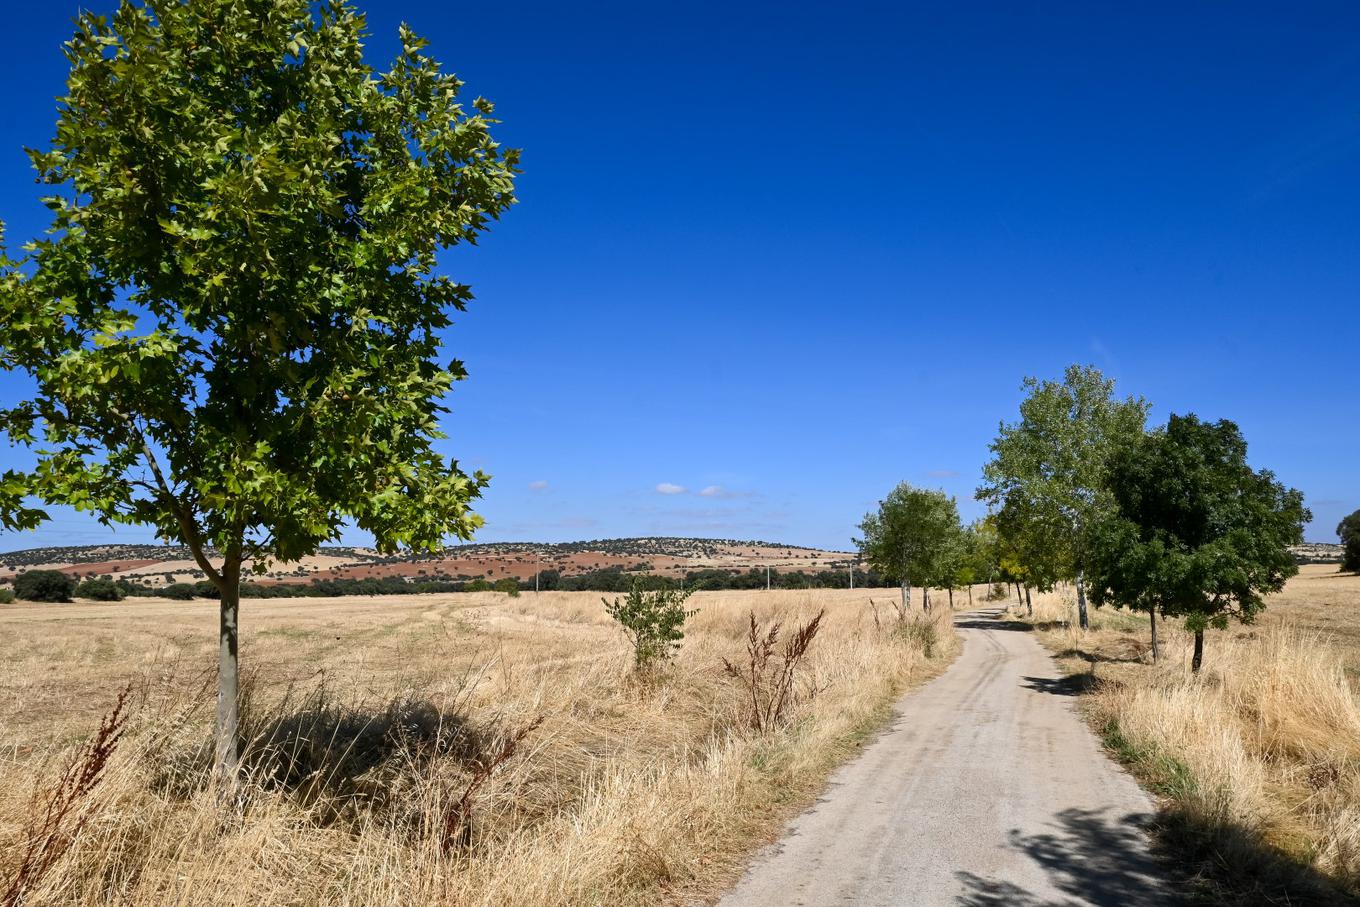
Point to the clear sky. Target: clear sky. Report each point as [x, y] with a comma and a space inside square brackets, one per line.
[791, 254]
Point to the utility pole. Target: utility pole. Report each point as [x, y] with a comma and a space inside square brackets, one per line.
[538, 568]
[852, 576]
[767, 577]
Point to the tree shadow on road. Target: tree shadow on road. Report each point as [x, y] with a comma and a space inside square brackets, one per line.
[992, 623]
[1070, 685]
[1090, 857]
[1093, 858]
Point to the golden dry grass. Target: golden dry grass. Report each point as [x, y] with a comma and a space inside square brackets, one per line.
[1258, 757]
[631, 791]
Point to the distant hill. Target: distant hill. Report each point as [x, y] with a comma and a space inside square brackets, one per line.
[1317, 553]
[162, 564]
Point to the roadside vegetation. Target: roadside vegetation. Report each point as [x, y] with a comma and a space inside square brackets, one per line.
[480, 749]
[1250, 737]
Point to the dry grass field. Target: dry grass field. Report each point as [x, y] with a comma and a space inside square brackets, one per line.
[470, 749]
[1257, 760]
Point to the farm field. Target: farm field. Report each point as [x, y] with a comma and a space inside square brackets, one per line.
[1257, 759]
[379, 713]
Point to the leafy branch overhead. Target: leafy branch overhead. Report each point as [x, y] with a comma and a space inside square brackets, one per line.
[233, 322]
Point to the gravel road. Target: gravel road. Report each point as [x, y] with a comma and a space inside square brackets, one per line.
[987, 789]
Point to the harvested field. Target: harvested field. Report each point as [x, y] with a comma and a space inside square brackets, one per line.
[373, 721]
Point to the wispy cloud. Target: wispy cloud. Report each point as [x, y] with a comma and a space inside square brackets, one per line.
[538, 484]
[943, 474]
[668, 488]
[711, 491]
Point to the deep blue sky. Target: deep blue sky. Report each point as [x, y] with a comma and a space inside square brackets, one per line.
[798, 254]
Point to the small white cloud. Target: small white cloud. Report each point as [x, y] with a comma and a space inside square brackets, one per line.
[712, 491]
[668, 488]
[539, 484]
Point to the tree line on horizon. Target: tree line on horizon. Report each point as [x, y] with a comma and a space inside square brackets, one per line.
[1170, 521]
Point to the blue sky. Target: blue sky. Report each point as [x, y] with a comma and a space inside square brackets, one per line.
[793, 254]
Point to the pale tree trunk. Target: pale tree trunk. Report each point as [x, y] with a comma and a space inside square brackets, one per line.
[925, 599]
[906, 598]
[1082, 619]
[1198, 659]
[1029, 605]
[226, 733]
[1155, 652]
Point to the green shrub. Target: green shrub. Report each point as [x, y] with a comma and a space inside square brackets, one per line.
[654, 621]
[179, 591]
[478, 585]
[102, 589]
[44, 586]
[507, 585]
[6, 596]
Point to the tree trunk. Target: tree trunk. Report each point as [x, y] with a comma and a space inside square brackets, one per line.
[925, 599]
[951, 598]
[970, 597]
[906, 599]
[1082, 619]
[1019, 599]
[1198, 658]
[227, 731]
[1029, 605]
[1155, 651]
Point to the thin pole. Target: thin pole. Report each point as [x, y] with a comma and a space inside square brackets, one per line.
[852, 576]
[767, 577]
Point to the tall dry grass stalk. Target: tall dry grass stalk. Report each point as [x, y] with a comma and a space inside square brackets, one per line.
[1262, 746]
[460, 750]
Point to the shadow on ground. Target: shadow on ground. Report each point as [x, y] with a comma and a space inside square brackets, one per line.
[1090, 857]
[1070, 685]
[992, 623]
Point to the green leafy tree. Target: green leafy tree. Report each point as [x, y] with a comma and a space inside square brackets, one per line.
[1349, 531]
[911, 537]
[232, 326]
[1195, 533]
[44, 586]
[654, 621]
[1050, 467]
[100, 589]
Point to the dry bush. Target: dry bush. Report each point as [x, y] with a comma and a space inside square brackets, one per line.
[418, 714]
[769, 674]
[61, 809]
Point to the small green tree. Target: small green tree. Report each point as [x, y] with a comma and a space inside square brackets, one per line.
[654, 621]
[233, 326]
[100, 589]
[1349, 532]
[911, 538]
[1196, 533]
[1050, 467]
[44, 586]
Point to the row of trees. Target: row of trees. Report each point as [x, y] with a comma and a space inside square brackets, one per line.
[1170, 521]
[916, 537]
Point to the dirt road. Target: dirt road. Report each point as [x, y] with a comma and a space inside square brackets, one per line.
[986, 790]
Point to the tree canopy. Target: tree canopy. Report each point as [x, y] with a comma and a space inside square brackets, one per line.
[1195, 532]
[233, 325]
[1049, 468]
[911, 537]
[1349, 532]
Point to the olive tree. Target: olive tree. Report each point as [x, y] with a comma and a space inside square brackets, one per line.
[1196, 532]
[911, 538]
[232, 326]
[1050, 467]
